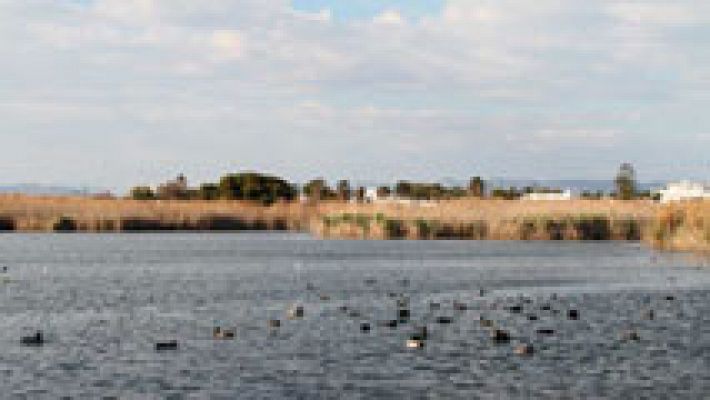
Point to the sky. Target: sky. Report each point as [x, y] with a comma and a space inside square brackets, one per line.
[112, 93]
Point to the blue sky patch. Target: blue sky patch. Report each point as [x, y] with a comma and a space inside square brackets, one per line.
[345, 10]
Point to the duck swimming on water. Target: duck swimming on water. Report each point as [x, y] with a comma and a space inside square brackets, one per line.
[36, 339]
[166, 345]
[417, 339]
[295, 312]
[219, 333]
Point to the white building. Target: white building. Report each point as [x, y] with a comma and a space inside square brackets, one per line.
[371, 195]
[684, 190]
[566, 195]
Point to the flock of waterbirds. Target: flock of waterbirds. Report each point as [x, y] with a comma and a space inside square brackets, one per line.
[418, 333]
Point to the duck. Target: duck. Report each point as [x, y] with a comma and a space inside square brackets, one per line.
[416, 340]
[444, 320]
[500, 336]
[392, 323]
[415, 344]
[295, 312]
[524, 349]
[166, 345]
[516, 309]
[219, 333]
[486, 323]
[630, 335]
[422, 333]
[36, 339]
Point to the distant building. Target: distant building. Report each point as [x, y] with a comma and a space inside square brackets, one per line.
[174, 190]
[371, 195]
[684, 190]
[566, 195]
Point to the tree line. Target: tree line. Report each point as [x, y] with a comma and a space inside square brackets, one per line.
[268, 189]
[251, 186]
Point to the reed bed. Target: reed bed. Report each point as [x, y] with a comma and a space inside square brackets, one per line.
[489, 219]
[43, 214]
[683, 226]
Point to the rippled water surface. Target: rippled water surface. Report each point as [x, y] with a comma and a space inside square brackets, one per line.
[103, 302]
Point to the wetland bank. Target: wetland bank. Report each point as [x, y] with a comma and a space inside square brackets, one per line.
[682, 226]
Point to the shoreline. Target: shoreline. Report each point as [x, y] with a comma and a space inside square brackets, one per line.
[675, 227]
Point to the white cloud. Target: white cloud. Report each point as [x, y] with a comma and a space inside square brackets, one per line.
[667, 13]
[599, 137]
[228, 43]
[389, 17]
[461, 12]
[240, 73]
[324, 15]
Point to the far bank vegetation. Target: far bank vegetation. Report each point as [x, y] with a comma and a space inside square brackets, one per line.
[254, 201]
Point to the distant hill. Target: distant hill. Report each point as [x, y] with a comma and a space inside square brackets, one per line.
[46, 190]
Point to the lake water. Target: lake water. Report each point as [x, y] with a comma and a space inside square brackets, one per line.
[104, 300]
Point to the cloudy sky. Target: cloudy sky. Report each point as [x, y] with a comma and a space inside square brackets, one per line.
[108, 93]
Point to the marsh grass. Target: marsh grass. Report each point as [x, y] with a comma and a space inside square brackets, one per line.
[492, 219]
[683, 226]
[35, 213]
[679, 226]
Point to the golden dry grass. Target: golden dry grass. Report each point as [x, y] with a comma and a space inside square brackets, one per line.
[683, 226]
[474, 209]
[34, 213]
[489, 219]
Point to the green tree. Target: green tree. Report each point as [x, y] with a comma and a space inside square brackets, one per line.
[343, 190]
[209, 191]
[625, 182]
[254, 186]
[317, 189]
[383, 191]
[360, 194]
[511, 193]
[142, 193]
[476, 187]
[403, 189]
